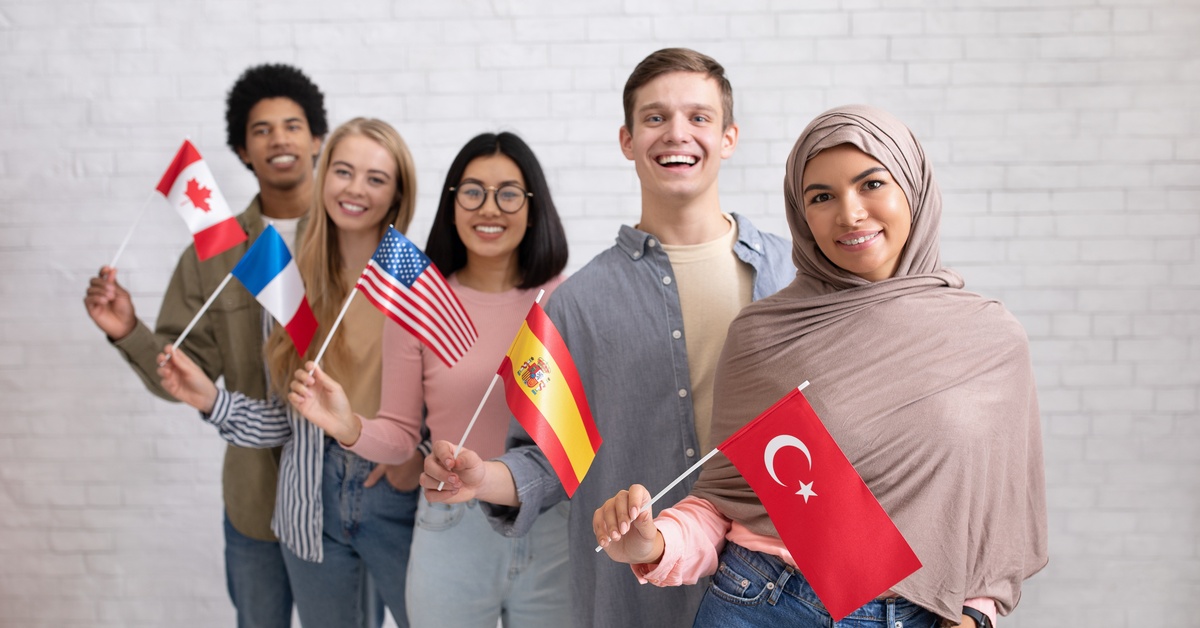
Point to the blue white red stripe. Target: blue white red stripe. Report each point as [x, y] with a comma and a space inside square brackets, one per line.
[270, 274]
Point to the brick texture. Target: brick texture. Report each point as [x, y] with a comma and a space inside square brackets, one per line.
[1064, 134]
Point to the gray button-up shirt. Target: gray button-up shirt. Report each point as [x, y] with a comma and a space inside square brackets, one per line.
[621, 319]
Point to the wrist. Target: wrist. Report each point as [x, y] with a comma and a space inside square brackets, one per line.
[352, 432]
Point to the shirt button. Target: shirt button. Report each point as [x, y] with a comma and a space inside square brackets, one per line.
[651, 242]
[676, 334]
[757, 246]
[690, 452]
[666, 281]
[682, 392]
[637, 254]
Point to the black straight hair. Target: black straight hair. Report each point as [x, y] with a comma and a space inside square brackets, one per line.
[542, 254]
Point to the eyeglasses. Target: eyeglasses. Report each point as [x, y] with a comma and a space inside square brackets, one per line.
[510, 197]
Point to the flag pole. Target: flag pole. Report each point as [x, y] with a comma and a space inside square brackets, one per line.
[495, 378]
[203, 309]
[336, 324]
[129, 234]
[691, 470]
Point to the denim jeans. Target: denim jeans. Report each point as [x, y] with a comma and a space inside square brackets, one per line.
[464, 574]
[366, 531]
[754, 589]
[257, 581]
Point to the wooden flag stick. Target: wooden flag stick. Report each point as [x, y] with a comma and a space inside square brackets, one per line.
[203, 309]
[336, 323]
[125, 242]
[690, 470]
[495, 378]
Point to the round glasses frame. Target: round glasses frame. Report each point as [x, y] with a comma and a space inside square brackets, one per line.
[464, 196]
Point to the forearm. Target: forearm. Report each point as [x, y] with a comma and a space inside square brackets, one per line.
[498, 486]
[247, 422]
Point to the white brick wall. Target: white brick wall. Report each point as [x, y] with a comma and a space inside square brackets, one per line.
[1065, 134]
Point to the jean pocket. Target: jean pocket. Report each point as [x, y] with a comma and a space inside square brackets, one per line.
[438, 517]
[735, 588]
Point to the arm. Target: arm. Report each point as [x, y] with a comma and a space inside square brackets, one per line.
[680, 547]
[185, 293]
[240, 420]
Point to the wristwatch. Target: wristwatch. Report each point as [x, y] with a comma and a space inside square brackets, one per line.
[981, 619]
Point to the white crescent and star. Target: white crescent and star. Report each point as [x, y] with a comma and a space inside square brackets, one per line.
[773, 447]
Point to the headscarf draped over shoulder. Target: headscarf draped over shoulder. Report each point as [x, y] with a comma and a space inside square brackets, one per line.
[927, 388]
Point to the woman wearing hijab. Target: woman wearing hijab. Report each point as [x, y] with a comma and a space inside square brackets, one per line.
[927, 389]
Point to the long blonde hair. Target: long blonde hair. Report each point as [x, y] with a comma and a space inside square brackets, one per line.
[319, 257]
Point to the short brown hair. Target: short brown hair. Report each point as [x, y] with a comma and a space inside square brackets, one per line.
[670, 60]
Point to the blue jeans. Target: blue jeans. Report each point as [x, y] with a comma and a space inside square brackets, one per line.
[755, 589]
[466, 575]
[365, 531]
[257, 581]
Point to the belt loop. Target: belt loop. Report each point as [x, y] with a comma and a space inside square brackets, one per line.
[777, 586]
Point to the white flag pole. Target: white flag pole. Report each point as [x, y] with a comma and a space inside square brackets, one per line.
[336, 323]
[203, 309]
[495, 378]
[690, 470]
[125, 242]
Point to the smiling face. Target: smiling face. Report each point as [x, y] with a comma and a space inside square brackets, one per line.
[678, 141]
[487, 232]
[360, 184]
[280, 147]
[856, 211]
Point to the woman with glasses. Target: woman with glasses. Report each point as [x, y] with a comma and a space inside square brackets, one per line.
[498, 240]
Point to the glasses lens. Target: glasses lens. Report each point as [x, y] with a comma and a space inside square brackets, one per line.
[510, 198]
[471, 196]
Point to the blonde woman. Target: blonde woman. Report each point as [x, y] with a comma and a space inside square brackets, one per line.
[334, 528]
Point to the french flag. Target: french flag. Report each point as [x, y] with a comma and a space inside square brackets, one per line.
[270, 274]
[189, 187]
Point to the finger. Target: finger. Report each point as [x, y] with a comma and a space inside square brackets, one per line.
[379, 471]
[302, 377]
[599, 527]
[639, 500]
[620, 513]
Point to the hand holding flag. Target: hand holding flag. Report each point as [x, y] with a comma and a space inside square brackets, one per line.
[839, 536]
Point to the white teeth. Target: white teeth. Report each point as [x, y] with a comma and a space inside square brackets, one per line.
[677, 159]
[489, 229]
[858, 240]
[283, 159]
[350, 207]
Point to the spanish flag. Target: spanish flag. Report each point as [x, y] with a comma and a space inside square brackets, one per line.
[544, 393]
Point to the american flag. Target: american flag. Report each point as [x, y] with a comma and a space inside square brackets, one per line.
[408, 289]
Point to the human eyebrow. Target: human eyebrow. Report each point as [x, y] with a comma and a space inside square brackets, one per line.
[381, 173]
[868, 172]
[816, 186]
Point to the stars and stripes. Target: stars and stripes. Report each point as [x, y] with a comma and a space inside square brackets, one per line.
[409, 289]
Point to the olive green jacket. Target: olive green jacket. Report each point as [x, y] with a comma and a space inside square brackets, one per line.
[227, 341]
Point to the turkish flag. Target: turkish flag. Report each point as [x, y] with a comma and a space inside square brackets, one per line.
[840, 537]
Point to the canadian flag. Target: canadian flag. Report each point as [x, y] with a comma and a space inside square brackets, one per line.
[840, 537]
[189, 187]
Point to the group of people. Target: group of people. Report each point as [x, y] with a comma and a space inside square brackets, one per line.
[344, 490]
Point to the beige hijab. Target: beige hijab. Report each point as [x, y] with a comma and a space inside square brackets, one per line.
[926, 387]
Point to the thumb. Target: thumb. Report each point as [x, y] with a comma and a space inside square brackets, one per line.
[379, 471]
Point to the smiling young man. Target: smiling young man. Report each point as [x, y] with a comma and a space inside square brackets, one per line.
[275, 122]
[645, 322]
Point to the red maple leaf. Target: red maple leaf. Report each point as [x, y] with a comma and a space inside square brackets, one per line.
[198, 195]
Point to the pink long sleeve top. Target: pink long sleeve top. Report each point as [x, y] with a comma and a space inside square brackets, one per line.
[415, 381]
[694, 533]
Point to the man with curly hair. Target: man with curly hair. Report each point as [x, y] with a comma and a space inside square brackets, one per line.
[275, 122]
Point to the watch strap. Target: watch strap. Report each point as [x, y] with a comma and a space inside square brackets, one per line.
[981, 619]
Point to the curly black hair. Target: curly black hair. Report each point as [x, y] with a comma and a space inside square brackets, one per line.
[271, 80]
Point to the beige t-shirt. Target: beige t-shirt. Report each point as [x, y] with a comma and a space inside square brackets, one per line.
[714, 285]
[363, 329]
